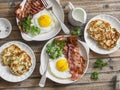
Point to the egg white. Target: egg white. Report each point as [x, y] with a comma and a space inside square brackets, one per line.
[44, 29]
[63, 75]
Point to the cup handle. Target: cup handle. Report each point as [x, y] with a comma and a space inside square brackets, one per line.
[71, 6]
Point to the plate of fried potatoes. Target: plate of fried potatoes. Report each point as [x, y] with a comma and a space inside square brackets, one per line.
[17, 61]
[102, 34]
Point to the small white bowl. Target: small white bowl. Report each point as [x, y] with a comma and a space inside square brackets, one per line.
[5, 28]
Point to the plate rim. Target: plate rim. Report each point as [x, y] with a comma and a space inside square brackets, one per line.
[33, 64]
[85, 31]
[86, 51]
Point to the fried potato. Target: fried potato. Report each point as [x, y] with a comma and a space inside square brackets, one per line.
[18, 60]
[9, 53]
[21, 65]
[103, 33]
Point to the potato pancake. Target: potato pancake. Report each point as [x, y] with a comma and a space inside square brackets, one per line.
[102, 32]
[18, 60]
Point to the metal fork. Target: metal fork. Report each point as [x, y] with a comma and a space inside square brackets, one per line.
[48, 6]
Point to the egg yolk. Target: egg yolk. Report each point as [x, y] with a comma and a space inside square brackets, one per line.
[62, 65]
[44, 20]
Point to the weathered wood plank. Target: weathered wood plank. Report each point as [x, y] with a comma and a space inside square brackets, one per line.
[6, 1]
[33, 82]
[95, 55]
[89, 2]
[97, 7]
[102, 86]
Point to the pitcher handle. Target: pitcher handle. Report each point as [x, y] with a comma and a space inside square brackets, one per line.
[71, 6]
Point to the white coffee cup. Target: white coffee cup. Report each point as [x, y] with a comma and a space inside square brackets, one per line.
[76, 16]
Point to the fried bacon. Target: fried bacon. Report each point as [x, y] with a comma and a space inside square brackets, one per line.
[31, 7]
[72, 52]
[76, 62]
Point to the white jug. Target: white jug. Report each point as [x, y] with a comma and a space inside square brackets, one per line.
[76, 16]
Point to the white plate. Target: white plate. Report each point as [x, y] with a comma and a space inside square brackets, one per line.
[45, 36]
[84, 50]
[4, 70]
[115, 23]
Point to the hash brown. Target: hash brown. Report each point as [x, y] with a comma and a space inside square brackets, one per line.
[9, 54]
[102, 32]
[18, 60]
[22, 65]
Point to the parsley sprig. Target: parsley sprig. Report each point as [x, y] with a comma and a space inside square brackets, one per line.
[99, 63]
[76, 31]
[55, 49]
[27, 26]
[95, 75]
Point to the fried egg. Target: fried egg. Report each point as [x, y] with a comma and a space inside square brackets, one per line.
[60, 68]
[44, 20]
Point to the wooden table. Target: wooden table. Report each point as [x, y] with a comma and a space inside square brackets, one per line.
[108, 74]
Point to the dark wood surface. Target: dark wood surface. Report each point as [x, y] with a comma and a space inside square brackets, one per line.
[107, 78]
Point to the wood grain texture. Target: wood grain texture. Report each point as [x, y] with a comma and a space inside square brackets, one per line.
[107, 77]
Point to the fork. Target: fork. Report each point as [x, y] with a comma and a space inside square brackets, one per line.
[43, 78]
[49, 7]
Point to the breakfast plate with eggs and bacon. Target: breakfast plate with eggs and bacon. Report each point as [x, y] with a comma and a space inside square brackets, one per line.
[68, 59]
[35, 22]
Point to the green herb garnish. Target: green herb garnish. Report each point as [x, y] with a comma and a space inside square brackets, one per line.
[99, 63]
[27, 27]
[55, 49]
[34, 30]
[95, 75]
[77, 31]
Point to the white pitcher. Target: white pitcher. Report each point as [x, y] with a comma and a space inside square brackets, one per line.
[76, 16]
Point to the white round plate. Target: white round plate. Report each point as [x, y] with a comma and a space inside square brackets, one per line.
[4, 70]
[53, 32]
[84, 51]
[6, 28]
[115, 23]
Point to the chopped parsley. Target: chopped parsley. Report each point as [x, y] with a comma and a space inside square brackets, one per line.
[95, 75]
[76, 31]
[99, 63]
[55, 49]
[27, 27]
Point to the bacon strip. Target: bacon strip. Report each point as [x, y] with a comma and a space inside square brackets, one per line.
[76, 62]
[31, 7]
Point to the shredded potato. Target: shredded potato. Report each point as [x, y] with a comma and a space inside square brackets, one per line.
[102, 32]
